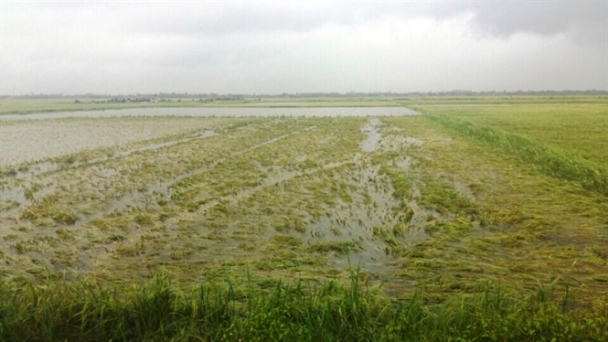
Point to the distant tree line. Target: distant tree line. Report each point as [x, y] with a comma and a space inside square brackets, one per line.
[214, 96]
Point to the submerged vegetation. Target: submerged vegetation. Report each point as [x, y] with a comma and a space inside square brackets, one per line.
[478, 222]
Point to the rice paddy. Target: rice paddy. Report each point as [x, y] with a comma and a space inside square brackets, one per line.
[418, 212]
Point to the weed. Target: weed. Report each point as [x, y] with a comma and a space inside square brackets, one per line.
[277, 311]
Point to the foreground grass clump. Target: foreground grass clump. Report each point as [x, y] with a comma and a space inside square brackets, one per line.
[157, 311]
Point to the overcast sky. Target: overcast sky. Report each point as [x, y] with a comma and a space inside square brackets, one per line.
[276, 47]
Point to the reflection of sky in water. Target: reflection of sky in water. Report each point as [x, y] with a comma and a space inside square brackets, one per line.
[22, 141]
[373, 136]
[222, 112]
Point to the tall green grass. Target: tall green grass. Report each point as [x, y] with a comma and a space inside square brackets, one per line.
[157, 311]
[546, 159]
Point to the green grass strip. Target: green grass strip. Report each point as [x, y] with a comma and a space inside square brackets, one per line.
[157, 311]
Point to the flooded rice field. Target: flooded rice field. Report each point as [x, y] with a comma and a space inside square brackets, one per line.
[22, 140]
[221, 112]
[120, 197]
[27, 141]
[279, 197]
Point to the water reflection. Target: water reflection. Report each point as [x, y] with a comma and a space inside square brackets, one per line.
[222, 112]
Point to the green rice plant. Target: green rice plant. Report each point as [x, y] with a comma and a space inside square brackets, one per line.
[63, 216]
[400, 180]
[548, 160]
[442, 197]
[159, 311]
[7, 172]
[334, 246]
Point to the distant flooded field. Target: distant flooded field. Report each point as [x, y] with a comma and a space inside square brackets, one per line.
[31, 137]
[222, 112]
[31, 140]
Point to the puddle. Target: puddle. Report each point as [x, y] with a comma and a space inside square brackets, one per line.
[373, 136]
[13, 195]
[364, 224]
[403, 163]
[37, 169]
[462, 189]
[416, 227]
[375, 141]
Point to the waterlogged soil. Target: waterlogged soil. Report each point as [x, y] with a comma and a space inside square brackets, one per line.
[285, 198]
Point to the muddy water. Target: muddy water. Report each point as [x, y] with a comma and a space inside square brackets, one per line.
[22, 141]
[26, 138]
[223, 112]
[373, 136]
[372, 210]
[360, 217]
[137, 198]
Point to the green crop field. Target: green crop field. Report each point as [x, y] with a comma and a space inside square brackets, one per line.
[481, 219]
[576, 129]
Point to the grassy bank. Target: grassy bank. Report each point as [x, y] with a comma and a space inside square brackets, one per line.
[157, 311]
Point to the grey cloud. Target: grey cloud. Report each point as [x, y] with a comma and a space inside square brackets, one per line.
[235, 18]
[276, 47]
[585, 20]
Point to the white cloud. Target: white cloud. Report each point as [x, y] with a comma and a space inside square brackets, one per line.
[277, 47]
